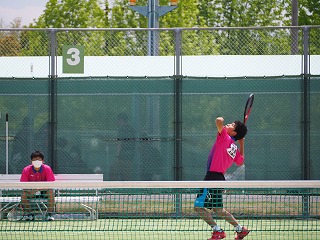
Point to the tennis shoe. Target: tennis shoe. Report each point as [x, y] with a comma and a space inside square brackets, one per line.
[240, 235]
[49, 217]
[29, 217]
[217, 235]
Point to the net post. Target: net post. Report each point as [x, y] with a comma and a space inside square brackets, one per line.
[306, 204]
[178, 203]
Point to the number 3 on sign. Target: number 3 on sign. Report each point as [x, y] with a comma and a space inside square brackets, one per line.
[73, 59]
[75, 56]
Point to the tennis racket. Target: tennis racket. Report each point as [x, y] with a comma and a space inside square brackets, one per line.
[16, 213]
[247, 108]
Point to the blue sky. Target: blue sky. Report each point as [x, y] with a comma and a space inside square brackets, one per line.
[26, 9]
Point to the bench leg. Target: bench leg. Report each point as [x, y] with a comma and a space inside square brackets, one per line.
[92, 212]
[7, 207]
[39, 204]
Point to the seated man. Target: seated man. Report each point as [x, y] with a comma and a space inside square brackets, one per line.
[37, 172]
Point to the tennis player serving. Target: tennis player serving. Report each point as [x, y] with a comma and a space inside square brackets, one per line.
[222, 155]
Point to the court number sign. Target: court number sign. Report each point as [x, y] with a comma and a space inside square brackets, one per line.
[72, 59]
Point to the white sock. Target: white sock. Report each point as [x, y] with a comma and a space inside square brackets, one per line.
[238, 228]
[216, 228]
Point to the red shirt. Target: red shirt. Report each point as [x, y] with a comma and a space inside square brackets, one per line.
[29, 174]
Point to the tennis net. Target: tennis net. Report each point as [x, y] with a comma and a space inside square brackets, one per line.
[162, 210]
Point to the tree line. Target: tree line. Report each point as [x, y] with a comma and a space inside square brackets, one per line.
[190, 13]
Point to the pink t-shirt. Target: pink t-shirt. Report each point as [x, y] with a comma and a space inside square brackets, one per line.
[224, 153]
[29, 174]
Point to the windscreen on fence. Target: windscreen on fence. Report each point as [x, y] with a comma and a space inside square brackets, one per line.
[125, 128]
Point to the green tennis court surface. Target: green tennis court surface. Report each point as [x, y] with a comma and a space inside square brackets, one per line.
[286, 229]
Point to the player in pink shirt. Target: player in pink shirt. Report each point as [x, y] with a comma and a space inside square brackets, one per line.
[223, 154]
[37, 172]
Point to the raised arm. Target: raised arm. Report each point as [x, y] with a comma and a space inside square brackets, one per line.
[241, 143]
[219, 124]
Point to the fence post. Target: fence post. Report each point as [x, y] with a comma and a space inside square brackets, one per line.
[295, 31]
[306, 105]
[178, 122]
[52, 148]
[177, 109]
[306, 118]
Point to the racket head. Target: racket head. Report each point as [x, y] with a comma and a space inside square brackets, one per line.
[15, 214]
[248, 107]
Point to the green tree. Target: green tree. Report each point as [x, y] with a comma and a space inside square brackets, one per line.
[190, 13]
[34, 43]
[239, 13]
[186, 15]
[71, 14]
[193, 42]
[251, 13]
[309, 12]
[130, 42]
[10, 41]
[10, 45]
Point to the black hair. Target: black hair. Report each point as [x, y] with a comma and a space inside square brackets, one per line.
[240, 129]
[36, 154]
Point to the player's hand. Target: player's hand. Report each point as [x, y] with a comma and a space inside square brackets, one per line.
[219, 124]
[219, 119]
[241, 141]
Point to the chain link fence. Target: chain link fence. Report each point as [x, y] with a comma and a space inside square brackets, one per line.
[145, 110]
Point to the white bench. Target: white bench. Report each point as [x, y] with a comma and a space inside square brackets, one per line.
[82, 198]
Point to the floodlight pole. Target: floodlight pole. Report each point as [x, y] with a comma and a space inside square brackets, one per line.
[153, 11]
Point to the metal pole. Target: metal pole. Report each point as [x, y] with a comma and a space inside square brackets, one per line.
[306, 107]
[294, 22]
[7, 144]
[178, 109]
[306, 119]
[153, 11]
[52, 148]
[178, 122]
[153, 22]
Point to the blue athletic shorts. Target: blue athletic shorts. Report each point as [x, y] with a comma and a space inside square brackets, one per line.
[210, 197]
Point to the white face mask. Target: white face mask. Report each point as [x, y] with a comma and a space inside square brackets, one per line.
[37, 163]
